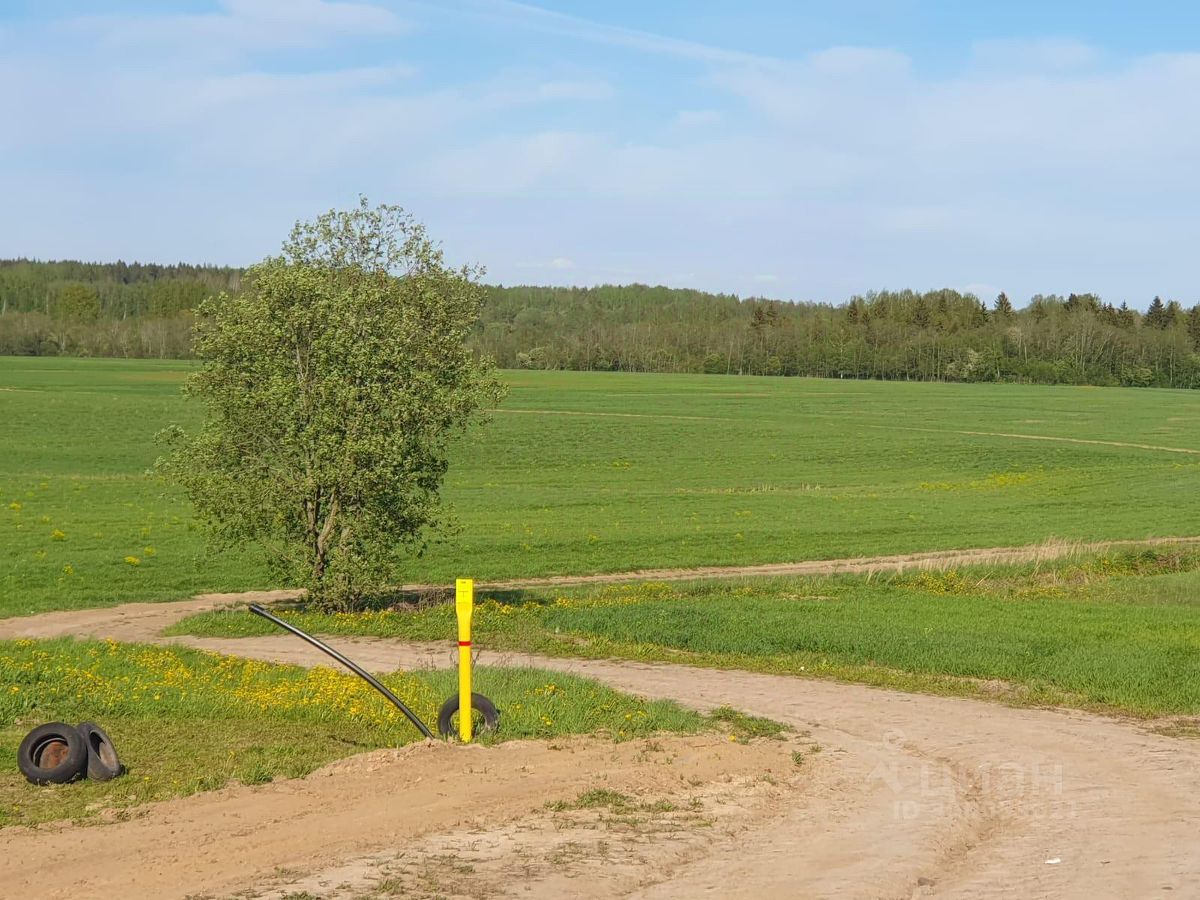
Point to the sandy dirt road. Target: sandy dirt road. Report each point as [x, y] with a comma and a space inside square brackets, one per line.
[910, 796]
[860, 565]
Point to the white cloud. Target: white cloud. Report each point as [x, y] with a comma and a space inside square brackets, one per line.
[317, 14]
[559, 264]
[250, 88]
[859, 62]
[1046, 54]
[527, 15]
[508, 165]
[575, 90]
[697, 118]
[916, 218]
[239, 26]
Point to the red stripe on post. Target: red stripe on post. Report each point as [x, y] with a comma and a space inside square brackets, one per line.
[464, 643]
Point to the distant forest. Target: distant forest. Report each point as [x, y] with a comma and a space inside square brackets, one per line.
[142, 310]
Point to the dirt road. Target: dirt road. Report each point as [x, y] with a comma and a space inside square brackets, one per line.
[900, 562]
[910, 796]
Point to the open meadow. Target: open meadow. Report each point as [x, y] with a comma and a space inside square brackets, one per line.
[580, 473]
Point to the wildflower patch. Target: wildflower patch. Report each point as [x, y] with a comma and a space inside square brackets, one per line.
[259, 720]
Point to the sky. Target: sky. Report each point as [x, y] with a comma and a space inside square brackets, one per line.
[805, 151]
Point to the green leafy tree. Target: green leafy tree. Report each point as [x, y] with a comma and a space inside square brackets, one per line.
[147, 310]
[333, 384]
[77, 303]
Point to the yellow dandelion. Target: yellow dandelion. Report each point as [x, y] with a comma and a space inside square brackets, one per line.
[133, 561]
[57, 535]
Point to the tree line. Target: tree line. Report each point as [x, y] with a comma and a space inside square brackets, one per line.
[119, 309]
[69, 308]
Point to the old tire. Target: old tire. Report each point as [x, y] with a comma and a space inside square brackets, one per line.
[103, 763]
[54, 753]
[479, 703]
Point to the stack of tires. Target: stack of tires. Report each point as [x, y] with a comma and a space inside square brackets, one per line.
[56, 753]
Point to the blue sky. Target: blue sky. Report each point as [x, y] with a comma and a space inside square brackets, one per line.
[794, 150]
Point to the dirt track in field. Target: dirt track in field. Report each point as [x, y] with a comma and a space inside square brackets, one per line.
[144, 621]
[910, 796]
[860, 565]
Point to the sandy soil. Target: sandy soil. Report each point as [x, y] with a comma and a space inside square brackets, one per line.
[401, 814]
[910, 796]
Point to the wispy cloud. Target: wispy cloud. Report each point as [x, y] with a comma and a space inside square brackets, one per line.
[1040, 55]
[549, 21]
[237, 27]
[558, 264]
[697, 118]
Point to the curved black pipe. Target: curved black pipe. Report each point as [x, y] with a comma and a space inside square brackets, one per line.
[349, 664]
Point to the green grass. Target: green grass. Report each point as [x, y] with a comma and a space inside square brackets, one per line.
[598, 472]
[1119, 633]
[186, 721]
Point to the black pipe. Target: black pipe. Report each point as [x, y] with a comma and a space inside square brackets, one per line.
[349, 664]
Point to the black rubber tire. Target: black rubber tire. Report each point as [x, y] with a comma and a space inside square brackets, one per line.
[58, 744]
[103, 763]
[491, 717]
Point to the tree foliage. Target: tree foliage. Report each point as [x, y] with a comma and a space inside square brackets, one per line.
[77, 302]
[941, 334]
[333, 383]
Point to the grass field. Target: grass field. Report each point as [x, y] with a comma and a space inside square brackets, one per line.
[608, 472]
[186, 721]
[1117, 633]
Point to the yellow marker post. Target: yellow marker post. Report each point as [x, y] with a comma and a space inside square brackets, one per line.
[464, 604]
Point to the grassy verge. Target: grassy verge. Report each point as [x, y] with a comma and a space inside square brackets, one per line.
[1116, 633]
[186, 721]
